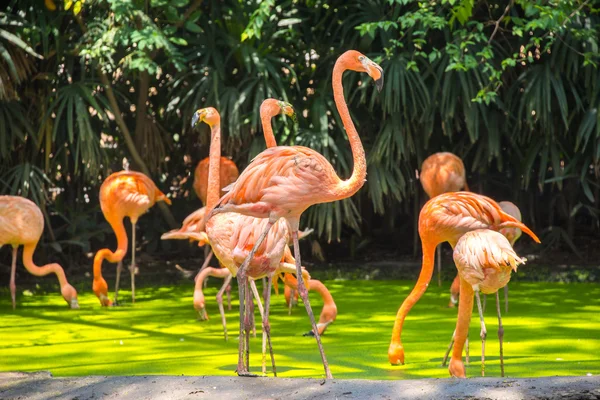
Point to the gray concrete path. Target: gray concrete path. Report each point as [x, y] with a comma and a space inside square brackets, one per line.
[43, 386]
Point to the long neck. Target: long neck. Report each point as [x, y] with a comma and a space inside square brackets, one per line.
[265, 118]
[318, 287]
[33, 269]
[417, 292]
[119, 228]
[214, 180]
[359, 172]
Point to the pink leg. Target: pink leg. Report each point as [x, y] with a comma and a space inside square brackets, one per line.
[242, 279]
[13, 271]
[119, 269]
[220, 303]
[304, 294]
[228, 290]
[207, 256]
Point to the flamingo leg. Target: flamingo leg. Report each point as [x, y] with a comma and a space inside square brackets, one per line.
[220, 303]
[448, 350]
[500, 334]
[483, 333]
[13, 271]
[267, 325]
[304, 294]
[264, 313]
[465, 309]
[291, 302]
[505, 300]
[484, 302]
[439, 264]
[228, 290]
[207, 256]
[132, 267]
[248, 324]
[119, 269]
[467, 359]
[242, 281]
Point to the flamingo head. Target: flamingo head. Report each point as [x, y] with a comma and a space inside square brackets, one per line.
[199, 305]
[357, 61]
[100, 288]
[70, 295]
[287, 109]
[208, 115]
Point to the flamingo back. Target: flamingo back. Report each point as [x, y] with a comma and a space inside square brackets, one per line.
[450, 215]
[21, 221]
[441, 173]
[228, 173]
[485, 259]
[128, 194]
[512, 234]
[287, 178]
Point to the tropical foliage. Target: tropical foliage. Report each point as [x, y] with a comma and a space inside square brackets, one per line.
[513, 87]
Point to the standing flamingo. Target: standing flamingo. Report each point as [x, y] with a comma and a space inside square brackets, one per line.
[22, 223]
[123, 194]
[231, 237]
[192, 226]
[445, 218]
[485, 260]
[441, 173]
[284, 181]
[512, 234]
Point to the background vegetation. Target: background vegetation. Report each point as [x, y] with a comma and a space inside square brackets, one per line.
[512, 87]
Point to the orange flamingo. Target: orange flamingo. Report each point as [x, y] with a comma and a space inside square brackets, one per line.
[123, 194]
[445, 218]
[191, 227]
[284, 181]
[485, 260]
[512, 234]
[231, 237]
[229, 173]
[22, 223]
[329, 311]
[441, 173]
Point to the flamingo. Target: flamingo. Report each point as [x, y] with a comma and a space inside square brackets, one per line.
[284, 181]
[229, 173]
[231, 237]
[485, 260]
[191, 227]
[512, 234]
[445, 218]
[123, 194]
[22, 223]
[441, 173]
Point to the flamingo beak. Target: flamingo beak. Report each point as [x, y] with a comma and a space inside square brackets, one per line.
[197, 117]
[374, 71]
[74, 304]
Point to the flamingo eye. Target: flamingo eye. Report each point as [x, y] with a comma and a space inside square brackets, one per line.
[361, 58]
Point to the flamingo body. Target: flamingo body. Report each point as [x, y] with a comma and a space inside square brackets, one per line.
[441, 173]
[228, 173]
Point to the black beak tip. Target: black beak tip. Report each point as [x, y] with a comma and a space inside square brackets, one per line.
[195, 118]
[379, 83]
[309, 333]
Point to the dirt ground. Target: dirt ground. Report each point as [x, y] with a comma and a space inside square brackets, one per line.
[43, 386]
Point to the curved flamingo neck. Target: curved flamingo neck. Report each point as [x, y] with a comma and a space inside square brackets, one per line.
[214, 180]
[113, 257]
[267, 112]
[318, 287]
[54, 268]
[359, 172]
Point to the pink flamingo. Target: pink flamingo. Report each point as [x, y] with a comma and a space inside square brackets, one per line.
[22, 223]
[485, 260]
[283, 181]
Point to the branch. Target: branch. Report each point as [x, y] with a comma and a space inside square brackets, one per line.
[497, 24]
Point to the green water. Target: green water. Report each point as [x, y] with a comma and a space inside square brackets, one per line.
[551, 329]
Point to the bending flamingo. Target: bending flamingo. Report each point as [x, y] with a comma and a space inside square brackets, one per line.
[512, 234]
[123, 194]
[485, 260]
[284, 181]
[445, 218]
[442, 173]
[22, 223]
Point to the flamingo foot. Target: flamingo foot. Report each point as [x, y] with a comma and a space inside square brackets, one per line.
[396, 354]
[457, 368]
